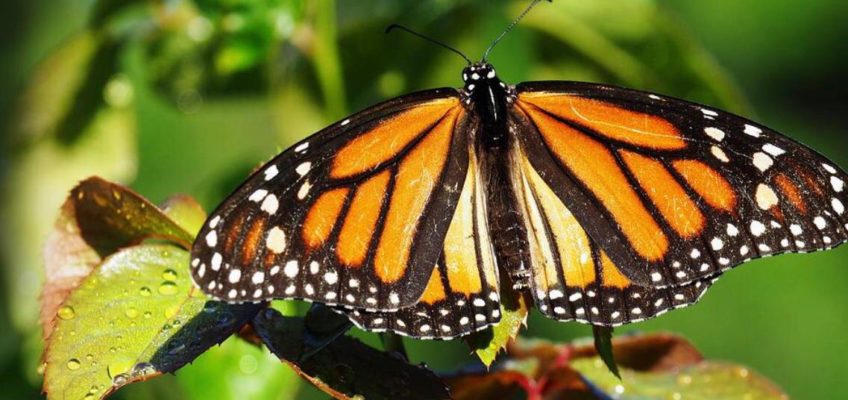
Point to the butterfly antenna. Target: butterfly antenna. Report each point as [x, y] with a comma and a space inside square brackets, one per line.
[429, 39]
[509, 28]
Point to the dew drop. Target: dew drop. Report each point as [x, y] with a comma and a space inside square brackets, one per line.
[41, 368]
[73, 364]
[148, 314]
[143, 369]
[90, 396]
[145, 291]
[89, 357]
[169, 274]
[120, 379]
[131, 312]
[66, 312]
[168, 288]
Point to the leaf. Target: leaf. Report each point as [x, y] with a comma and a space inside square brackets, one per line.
[488, 343]
[238, 370]
[656, 366]
[707, 380]
[51, 90]
[99, 217]
[111, 216]
[134, 317]
[603, 345]
[104, 10]
[346, 368]
[186, 212]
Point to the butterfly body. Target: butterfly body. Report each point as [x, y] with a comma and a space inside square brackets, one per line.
[606, 205]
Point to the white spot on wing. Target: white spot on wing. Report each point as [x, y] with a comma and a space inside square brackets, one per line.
[715, 133]
[762, 161]
[304, 190]
[291, 269]
[719, 154]
[838, 184]
[838, 206]
[271, 172]
[303, 168]
[211, 239]
[276, 241]
[757, 228]
[773, 150]
[258, 195]
[766, 198]
[270, 204]
[753, 131]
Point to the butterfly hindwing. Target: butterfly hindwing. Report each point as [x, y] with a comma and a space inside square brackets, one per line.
[352, 216]
[572, 278]
[672, 191]
[462, 294]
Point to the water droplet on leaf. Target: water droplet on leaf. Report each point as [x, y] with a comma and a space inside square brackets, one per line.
[66, 312]
[169, 274]
[73, 364]
[168, 288]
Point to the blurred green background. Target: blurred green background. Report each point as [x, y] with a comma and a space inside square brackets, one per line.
[188, 96]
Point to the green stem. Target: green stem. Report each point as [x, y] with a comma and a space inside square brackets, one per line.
[326, 60]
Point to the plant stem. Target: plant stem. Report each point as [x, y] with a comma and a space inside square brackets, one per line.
[326, 60]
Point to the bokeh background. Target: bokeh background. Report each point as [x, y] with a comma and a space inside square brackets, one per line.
[188, 96]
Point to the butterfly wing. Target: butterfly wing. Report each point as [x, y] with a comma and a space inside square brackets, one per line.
[572, 278]
[672, 191]
[462, 294]
[354, 215]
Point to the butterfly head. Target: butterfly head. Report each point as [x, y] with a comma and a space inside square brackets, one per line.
[478, 74]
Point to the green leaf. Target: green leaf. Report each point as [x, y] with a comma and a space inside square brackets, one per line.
[104, 10]
[134, 317]
[186, 212]
[707, 380]
[346, 368]
[488, 343]
[238, 370]
[603, 345]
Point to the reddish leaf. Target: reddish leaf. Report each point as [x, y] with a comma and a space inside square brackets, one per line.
[97, 219]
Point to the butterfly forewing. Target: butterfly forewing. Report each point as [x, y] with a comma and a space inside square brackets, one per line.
[672, 191]
[353, 216]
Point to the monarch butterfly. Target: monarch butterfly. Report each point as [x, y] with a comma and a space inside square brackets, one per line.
[608, 205]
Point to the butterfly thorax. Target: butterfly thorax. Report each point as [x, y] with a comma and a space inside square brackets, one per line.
[488, 97]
